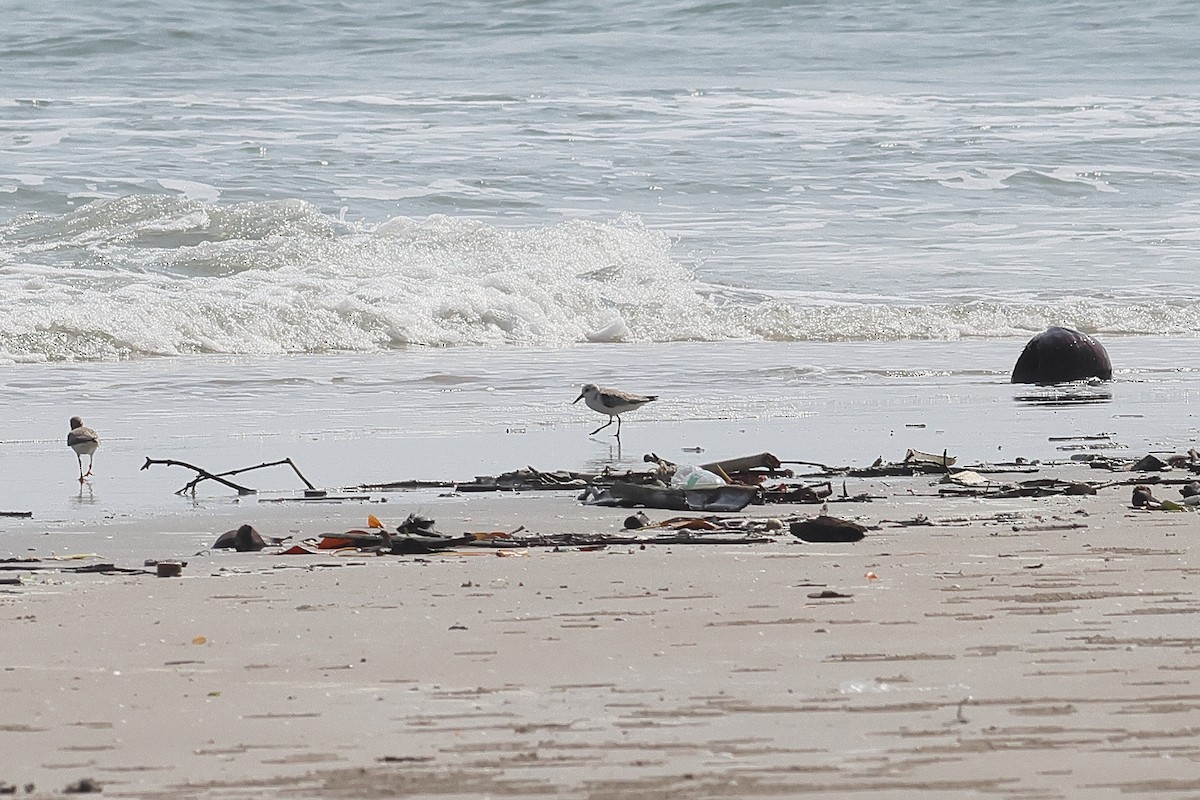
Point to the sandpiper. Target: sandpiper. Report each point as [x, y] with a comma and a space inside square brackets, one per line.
[613, 402]
[83, 441]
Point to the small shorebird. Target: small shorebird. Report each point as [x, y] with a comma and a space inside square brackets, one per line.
[613, 402]
[84, 442]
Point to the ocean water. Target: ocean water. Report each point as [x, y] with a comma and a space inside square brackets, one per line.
[392, 241]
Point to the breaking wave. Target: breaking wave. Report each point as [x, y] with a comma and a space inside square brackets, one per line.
[157, 275]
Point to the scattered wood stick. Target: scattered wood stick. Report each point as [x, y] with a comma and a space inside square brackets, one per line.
[585, 540]
[170, 462]
[191, 486]
[817, 464]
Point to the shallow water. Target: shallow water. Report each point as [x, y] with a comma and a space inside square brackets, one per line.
[410, 414]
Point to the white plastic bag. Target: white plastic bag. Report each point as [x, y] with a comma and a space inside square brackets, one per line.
[689, 476]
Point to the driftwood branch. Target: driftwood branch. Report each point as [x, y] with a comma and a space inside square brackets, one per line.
[170, 462]
[605, 540]
[191, 486]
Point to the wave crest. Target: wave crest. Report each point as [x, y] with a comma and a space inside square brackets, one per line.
[170, 276]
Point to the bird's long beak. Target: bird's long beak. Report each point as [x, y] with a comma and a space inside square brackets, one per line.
[577, 399]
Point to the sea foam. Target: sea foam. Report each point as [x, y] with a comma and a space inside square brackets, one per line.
[160, 275]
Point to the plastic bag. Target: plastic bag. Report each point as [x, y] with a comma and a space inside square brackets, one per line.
[689, 476]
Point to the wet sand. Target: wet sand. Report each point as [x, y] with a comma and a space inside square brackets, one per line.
[1024, 648]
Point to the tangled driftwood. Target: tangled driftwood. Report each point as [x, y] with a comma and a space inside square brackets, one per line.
[204, 475]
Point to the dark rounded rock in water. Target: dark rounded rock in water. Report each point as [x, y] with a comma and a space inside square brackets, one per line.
[1058, 355]
[1190, 489]
[828, 529]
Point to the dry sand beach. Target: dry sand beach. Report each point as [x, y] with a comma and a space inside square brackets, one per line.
[1024, 648]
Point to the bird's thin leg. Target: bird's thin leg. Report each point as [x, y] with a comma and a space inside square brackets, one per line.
[605, 425]
[618, 426]
[79, 458]
[89, 472]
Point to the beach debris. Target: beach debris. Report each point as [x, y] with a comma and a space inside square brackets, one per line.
[1105, 438]
[635, 521]
[417, 525]
[920, 520]
[677, 530]
[690, 524]
[689, 476]
[526, 479]
[319, 496]
[727, 485]
[917, 457]
[491, 536]
[729, 498]
[753, 469]
[1149, 463]
[169, 569]
[82, 786]
[824, 528]
[966, 477]
[415, 536]
[351, 538]
[1037, 487]
[791, 493]
[1190, 489]
[915, 462]
[202, 474]
[54, 563]
[1045, 487]
[421, 539]
[828, 594]
[18, 514]
[418, 544]
[170, 462]
[749, 469]
[244, 539]
[301, 549]
[612, 402]
[1143, 497]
